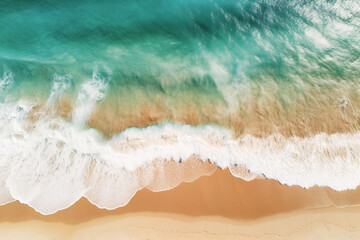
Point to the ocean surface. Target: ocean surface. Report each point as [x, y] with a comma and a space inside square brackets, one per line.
[100, 99]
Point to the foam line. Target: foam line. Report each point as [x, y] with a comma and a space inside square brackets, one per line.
[55, 162]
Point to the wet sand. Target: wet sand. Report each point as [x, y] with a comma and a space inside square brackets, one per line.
[213, 207]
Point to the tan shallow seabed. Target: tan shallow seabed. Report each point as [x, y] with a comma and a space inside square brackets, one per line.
[219, 206]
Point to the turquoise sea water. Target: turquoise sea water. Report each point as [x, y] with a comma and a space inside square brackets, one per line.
[165, 47]
[271, 87]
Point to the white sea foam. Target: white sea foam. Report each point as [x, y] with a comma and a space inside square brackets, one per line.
[54, 163]
[60, 84]
[51, 168]
[318, 39]
[6, 82]
[90, 93]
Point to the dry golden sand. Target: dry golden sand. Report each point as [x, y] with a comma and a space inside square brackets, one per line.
[329, 223]
[215, 207]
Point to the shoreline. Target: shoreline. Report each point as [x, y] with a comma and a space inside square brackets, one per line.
[219, 206]
[220, 194]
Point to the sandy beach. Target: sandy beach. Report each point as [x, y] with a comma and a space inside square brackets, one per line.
[179, 120]
[213, 207]
[328, 223]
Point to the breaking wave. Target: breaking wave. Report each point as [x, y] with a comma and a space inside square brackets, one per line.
[49, 163]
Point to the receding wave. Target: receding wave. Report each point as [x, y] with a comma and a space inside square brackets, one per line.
[50, 162]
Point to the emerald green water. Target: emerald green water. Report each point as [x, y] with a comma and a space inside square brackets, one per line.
[167, 47]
